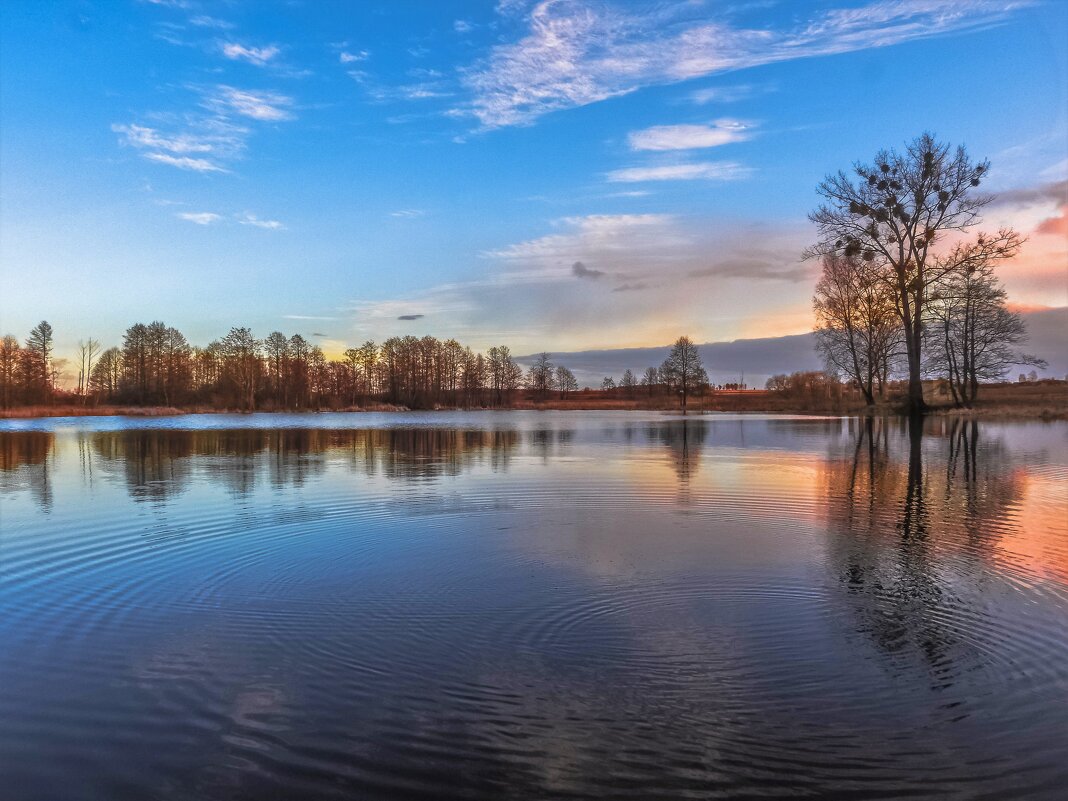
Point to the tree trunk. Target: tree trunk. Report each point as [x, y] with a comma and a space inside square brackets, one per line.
[915, 395]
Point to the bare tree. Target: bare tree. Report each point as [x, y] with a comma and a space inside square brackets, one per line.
[9, 370]
[565, 381]
[242, 365]
[276, 351]
[973, 333]
[683, 370]
[650, 380]
[892, 214]
[505, 375]
[87, 351]
[858, 329]
[540, 379]
[628, 382]
[106, 377]
[38, 361]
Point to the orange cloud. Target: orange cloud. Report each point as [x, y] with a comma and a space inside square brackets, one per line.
[1057, 224]
[1027, 307]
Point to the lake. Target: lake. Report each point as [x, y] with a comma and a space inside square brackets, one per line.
[532, 605]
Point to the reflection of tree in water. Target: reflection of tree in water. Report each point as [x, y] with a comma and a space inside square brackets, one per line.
[25, 464]
[546, 442]
[906, 520]
[684, 439]
[157, 464]
[430, 453]
[154, 464]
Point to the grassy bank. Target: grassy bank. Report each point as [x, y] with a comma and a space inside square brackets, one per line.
[1047, 400]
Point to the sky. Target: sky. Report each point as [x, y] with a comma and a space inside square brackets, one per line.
[559, 175]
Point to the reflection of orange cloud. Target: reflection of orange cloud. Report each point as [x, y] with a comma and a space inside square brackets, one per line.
[1058, 224]
[1039, 536]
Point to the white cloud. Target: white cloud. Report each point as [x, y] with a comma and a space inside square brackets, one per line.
[185, 162]
[254, 55]
[462, 26]
[346, 57]
[589, 239]
[584, 52]
[689, 137]
[204, 21]
[200, 147]
[249, 218]
[264, 106]
[725, 94]
[199, 217]
[407, 213]
[143, 136]
[702, 170]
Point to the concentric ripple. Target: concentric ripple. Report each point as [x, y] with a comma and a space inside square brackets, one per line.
[488, 605]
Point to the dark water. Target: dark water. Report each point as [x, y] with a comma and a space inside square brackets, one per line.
[532, 605]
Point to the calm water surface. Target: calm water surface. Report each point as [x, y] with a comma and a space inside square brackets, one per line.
[532, 605]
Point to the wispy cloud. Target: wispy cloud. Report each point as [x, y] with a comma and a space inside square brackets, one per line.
[214, 138]
[659, 273]
[185, 162]
[579, 53]
[629, 193]
[702, 170]
[199, 217]
[200, 143]
[263, 106]
[205, 21]
[254, 55]
[345, 57]
[407, 213]
[727, 94]
[591, 239]
[690, 137]
[251, 219]
[143, 136]
[633, 247]
[462, 26]
[411, 316]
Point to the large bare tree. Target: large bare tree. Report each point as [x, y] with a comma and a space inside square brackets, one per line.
[897, 214]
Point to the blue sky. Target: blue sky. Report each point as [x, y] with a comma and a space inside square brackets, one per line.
[556, 175]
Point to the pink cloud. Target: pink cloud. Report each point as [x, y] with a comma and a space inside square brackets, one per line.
[1057, 225]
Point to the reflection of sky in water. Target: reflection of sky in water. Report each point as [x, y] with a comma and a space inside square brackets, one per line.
[551, 603]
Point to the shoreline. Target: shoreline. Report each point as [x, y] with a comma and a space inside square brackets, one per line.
[991, 411]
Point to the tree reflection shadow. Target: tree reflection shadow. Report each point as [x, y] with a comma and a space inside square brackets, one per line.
[915, 514]
[25, 463]
[684, 441]
[158, 464]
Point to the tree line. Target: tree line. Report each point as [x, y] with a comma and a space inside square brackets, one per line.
[907, 290]
[157, 366]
